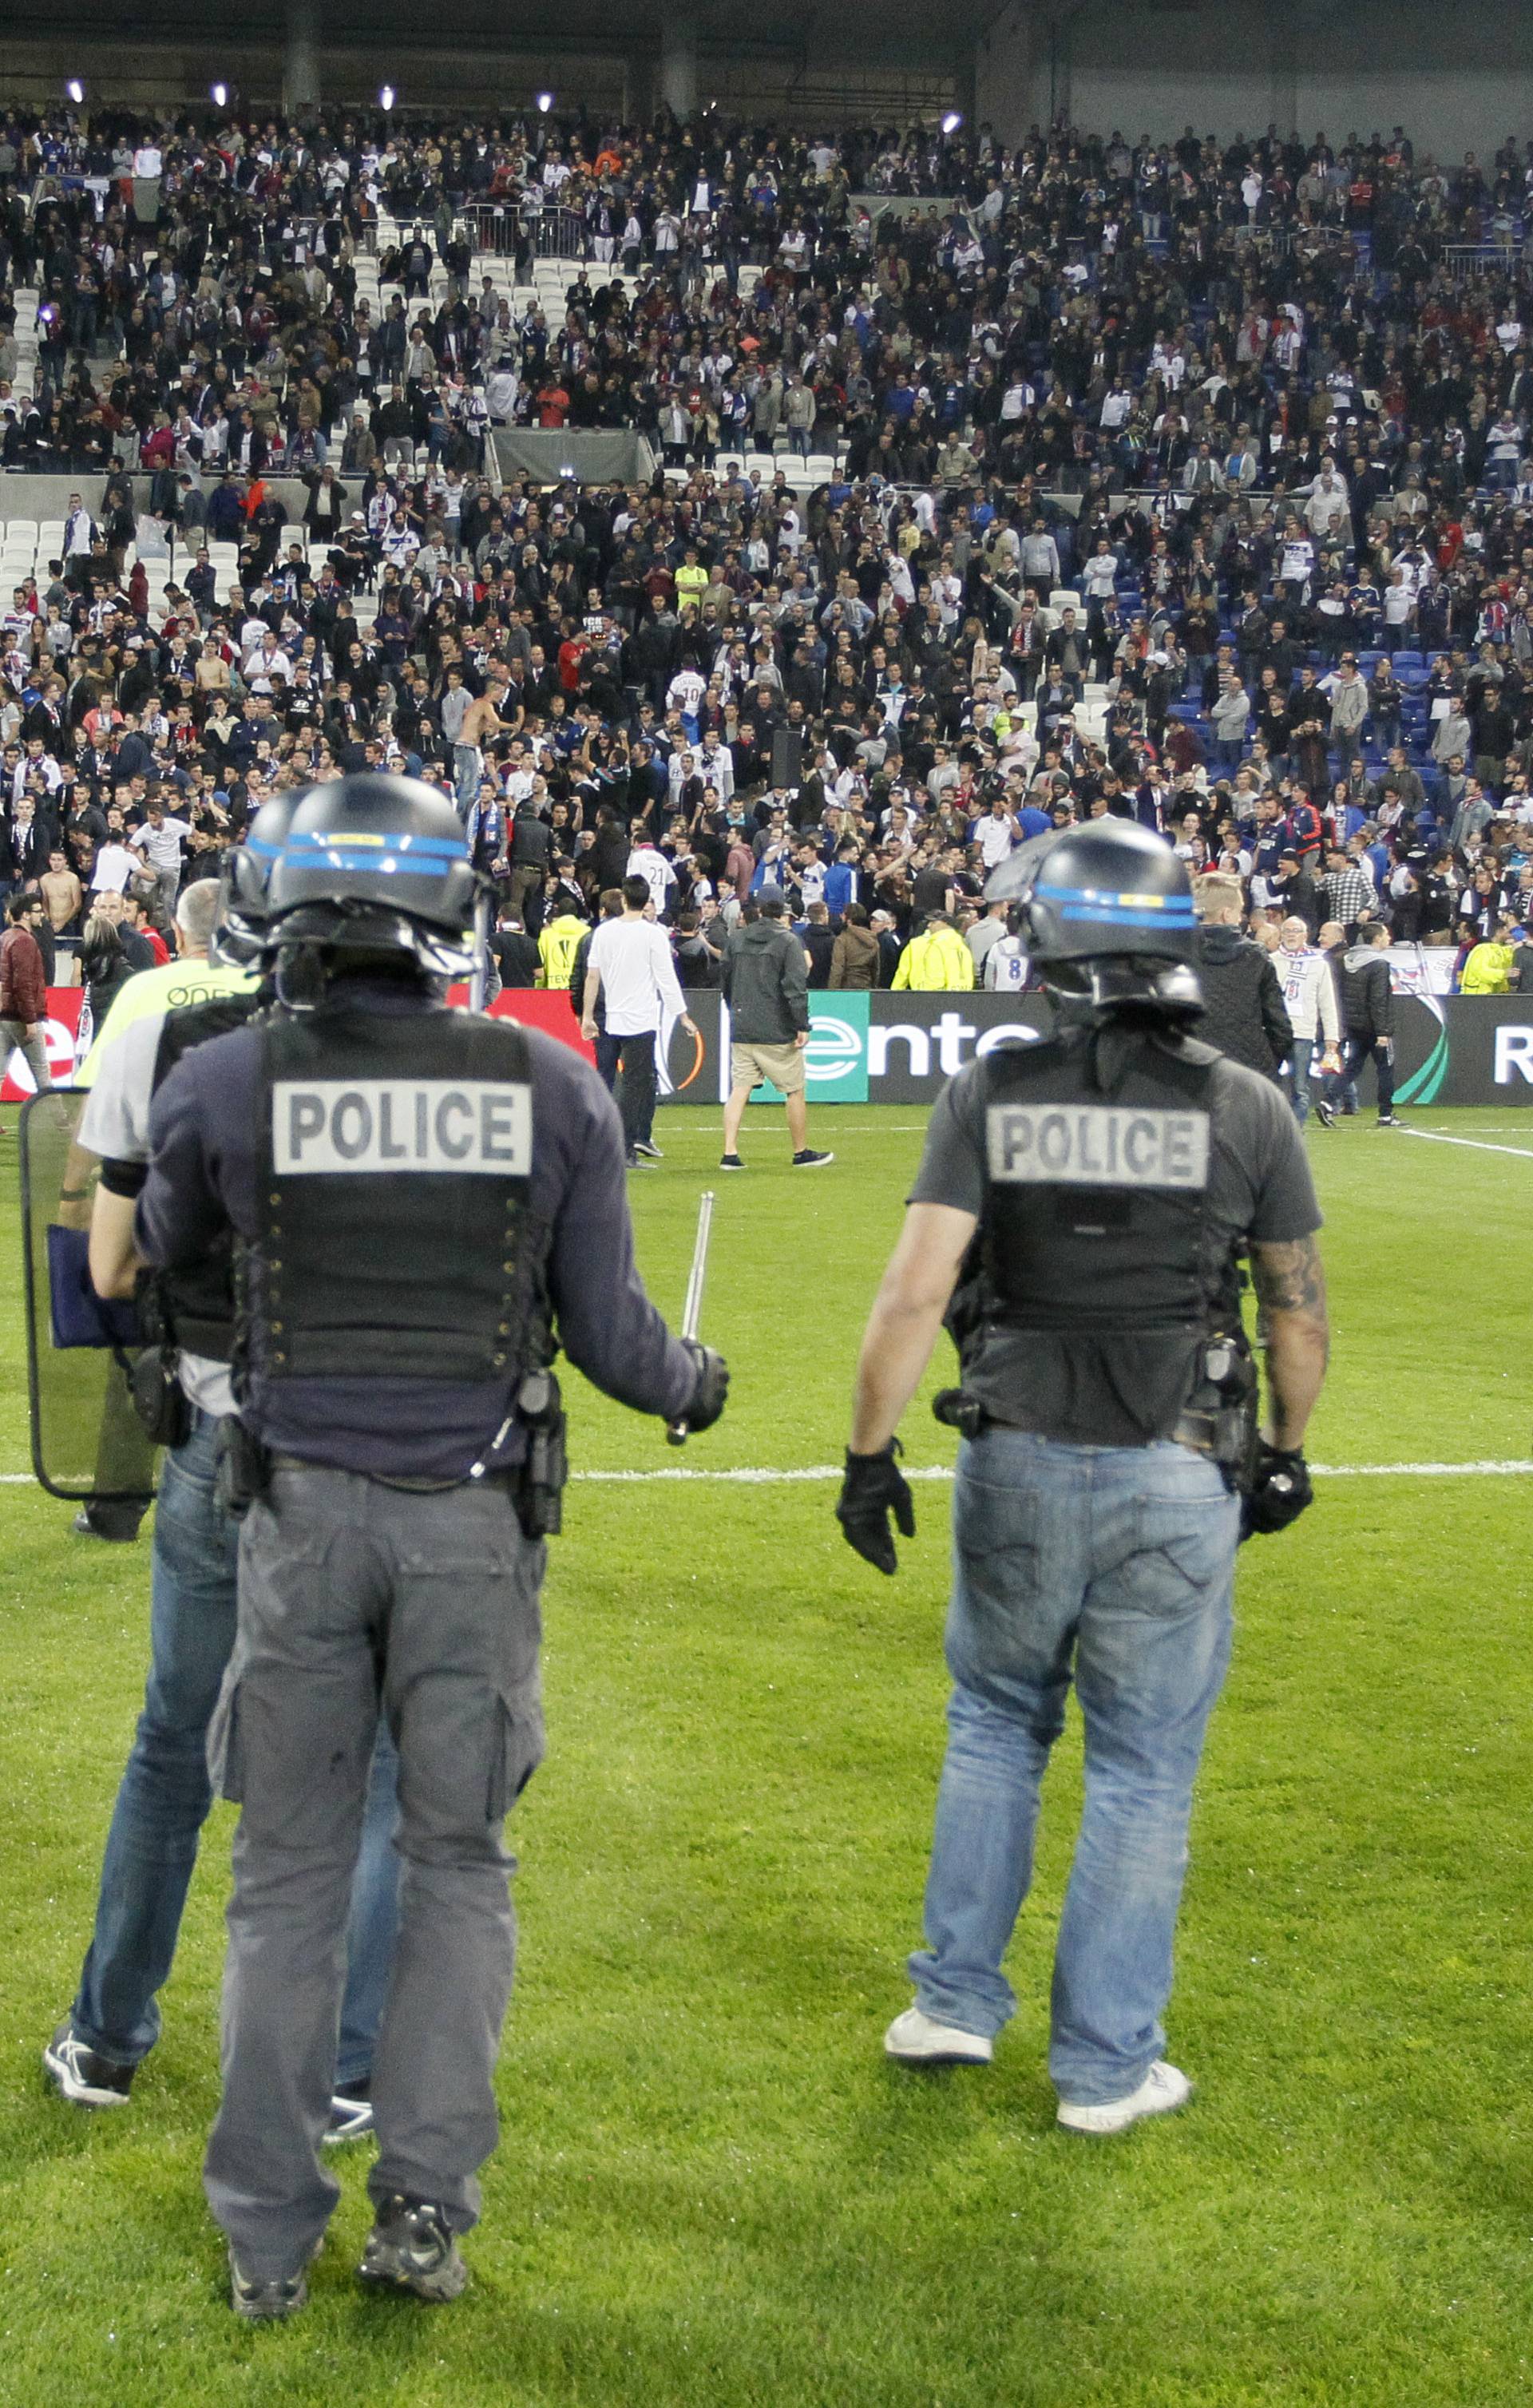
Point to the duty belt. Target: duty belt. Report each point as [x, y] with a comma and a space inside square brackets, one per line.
[1195, 1430]
[413, 1486]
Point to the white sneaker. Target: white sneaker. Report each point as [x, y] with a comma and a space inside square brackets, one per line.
[918, 2041]
[1164, 2086]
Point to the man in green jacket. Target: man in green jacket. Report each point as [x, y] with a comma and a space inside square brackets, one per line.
[765, 979]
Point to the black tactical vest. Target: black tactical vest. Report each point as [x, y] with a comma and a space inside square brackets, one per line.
[395, 1239]
[1092, 1284]
[199, 1303]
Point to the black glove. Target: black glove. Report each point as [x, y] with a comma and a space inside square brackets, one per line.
[1280, 1493]
[874, 1485]
[712, 1389]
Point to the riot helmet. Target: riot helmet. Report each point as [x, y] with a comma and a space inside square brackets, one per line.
[245, 898]
[376, 865]
[1106, 913]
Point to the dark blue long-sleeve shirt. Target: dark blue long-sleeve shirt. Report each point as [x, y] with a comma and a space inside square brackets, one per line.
[206, 1136]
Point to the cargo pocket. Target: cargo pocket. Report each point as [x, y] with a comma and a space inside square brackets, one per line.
[516, 1751]
[224, 1769]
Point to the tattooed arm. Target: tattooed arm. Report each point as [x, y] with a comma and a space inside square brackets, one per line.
[1290, 1283]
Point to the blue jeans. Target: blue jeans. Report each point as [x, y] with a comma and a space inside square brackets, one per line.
[1302, 1066]
[165, 1792]
[1115, 1566]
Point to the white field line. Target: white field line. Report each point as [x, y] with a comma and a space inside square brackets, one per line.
[760, 1477]
[1475, 1144]
[764, 1476]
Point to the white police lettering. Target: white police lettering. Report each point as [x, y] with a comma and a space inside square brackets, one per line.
[366, 1125]
[1096, 1145]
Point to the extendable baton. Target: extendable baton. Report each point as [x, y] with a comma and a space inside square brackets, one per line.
[691, 1312]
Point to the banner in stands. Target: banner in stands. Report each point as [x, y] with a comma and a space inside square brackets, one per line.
[589, 456]
[902, 1048]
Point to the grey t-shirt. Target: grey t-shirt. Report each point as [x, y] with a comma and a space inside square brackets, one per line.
[1089, 1387]
[1259, 1182]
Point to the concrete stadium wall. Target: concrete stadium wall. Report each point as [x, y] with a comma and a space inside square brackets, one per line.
[1456, 80]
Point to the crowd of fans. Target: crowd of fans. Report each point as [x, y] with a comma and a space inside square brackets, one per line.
[1189, 481]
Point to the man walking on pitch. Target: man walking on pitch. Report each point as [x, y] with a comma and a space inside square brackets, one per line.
[630, 966]
[766, 987]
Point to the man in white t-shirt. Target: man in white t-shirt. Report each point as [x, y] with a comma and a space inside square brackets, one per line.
[997, 833]
[113, 866]
[646, 861]
[159, 840]
[630, 966]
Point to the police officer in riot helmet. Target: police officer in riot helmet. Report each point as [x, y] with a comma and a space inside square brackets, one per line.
[424, 1204]
[1077, 1221]
[182, 1392]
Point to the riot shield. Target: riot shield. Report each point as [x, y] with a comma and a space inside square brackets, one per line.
[86, 1441]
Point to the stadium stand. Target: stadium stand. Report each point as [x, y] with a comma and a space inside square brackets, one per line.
[1186, 481]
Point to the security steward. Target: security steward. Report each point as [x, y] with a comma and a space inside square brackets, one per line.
[420, 1199]
[182, 1393]
[1077, 1220]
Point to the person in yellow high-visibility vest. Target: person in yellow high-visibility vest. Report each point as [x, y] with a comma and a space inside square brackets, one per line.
[1487, 968]
[558, 946]
[937, 958]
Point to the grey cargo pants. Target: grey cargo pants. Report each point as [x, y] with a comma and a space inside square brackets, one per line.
[352, 1594]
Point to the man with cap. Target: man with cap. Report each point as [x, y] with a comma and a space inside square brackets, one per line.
[1077, 1221]
[182, 1389]
[420, 1200]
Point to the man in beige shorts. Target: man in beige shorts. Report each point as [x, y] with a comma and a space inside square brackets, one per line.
[766, 988]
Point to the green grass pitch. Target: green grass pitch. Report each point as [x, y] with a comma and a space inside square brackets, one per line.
[710, 2188]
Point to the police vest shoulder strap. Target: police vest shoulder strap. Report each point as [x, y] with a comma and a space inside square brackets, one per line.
[296, 1044]
[198, 1023]
[1191, 1048]
[1006, 1067]
[494, 1048]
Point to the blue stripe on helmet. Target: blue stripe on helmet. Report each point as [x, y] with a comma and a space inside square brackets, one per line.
[430, 848]
[1110, 915]
[371, 865]
[1101, 900]
[267, 852]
